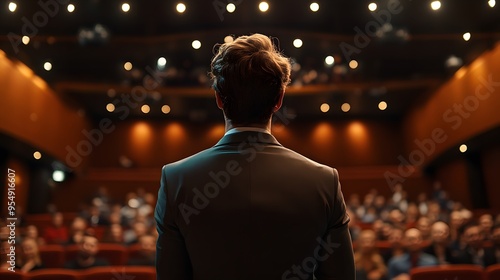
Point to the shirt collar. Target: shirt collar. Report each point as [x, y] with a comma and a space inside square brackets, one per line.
[246, 128]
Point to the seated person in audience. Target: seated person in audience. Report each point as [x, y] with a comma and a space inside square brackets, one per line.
[86, 257]
[96, 218]
[456, 222]
[412, 215]
[56, 233]
[377, 226]
[4, 250]
[29, 258]
[77, 230]
[397, 218]
[474, 253]
[495, 237]
[147, 254]
[114, 234]
[486, 224]
[369, 263]
[424, 225]
[132, 236]
[370, 215]
[400, 266]
[31, 231]
[440, 241]
[396, 241]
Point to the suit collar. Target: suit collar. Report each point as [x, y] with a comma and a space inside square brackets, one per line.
[247, 137]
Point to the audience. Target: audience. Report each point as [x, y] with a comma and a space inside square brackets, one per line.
[29, 258]
[440, 243]
[473, 252]
[147, 253]
[86, 257]
[369, 263]
[56, 233]
[396, 243]
[399, 267]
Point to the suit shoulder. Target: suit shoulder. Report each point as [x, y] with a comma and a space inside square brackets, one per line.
[310, 162]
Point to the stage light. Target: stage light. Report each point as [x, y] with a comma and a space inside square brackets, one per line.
[127, 66]
[314, 6]
[71, 8]
[297, 43]
[435, 5]
[47, 66]
[37, 155]
[231, 7]
[12, 6]
[324, 107]
[382, 105]
[181, 8]
[372, 7]
[145, 109]
[161, 62]
[58, 176]
[196, 44]
[125, 7]
[110, 107]
[263, 6]
[25, 40]
[466, 36]
[463, 148]
[492, 3]
[228, 39]
[345, 107]
[353, 64]
[329, 60]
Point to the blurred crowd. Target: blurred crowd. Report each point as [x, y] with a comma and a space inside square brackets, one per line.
[391, 235]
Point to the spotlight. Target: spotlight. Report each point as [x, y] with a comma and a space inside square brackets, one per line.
[181, 8]
[435, 5]
[466, 36]
[382, 105]
[12, 7]
[324, 107]
[58, 176]
[125, 7]
[263, 6]
[329, 60]
[297, 43]
[372, 7]
[314, 7]
[196, 44]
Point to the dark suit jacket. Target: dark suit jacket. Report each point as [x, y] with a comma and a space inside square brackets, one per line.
[248, 208]
[466, 257]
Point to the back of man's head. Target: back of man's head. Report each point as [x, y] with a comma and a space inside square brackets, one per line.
[249, 75]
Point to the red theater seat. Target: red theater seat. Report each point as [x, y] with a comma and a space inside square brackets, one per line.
[115, 254]
[133, 251]
[119, 272]
[450, 272]
[52, 256]
[53, 274]
[493, 272]
[9, 275]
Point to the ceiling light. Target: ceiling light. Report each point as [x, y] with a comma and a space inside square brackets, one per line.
[382, 105]
[145, 109]
[345, 107]
[231, 7]
[25, 40]
[58, 176]
[297, 43]
[47, 66]
[324, 107]
[37, 155]
[329, 60]
[466, 36]
[196, 44]
[71, 8]
[314, 6]
[263, 6]
[110, 107]
[125, 7]
[353, 64]
[372, 7]
[165, 109]
[228, 39]
[435, 5]
[161, 62]
[181, 8]
[127, 66]
[12, 6]
[463, 148]
[492, 3]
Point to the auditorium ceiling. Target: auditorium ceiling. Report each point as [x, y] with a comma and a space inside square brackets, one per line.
[105, 50]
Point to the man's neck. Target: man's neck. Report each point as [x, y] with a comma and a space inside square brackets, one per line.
[229, 125]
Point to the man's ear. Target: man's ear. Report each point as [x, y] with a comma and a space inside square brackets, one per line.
[218, 100]
[280, 101]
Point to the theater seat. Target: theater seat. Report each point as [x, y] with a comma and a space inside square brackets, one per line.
[52, 256]
[492, 272]
[450, 272]
[119, 272]
[9, 275]
[53, 274]
[115, 254]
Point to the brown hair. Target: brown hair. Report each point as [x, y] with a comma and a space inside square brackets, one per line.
[249, 74]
